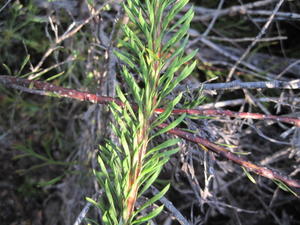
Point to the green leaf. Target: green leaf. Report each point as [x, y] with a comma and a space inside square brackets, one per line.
[154, 199]
[103, 167]
[163, 116]
[136, 91]
[284, 187]
[166, 144]
[177, 54]
[25, 61]
[170, 126]
[143, 24]
[50, 182]
[150, 179]
[55, 76]
[167, 154]
[150, 216]
[108, 192]
[188, 57]
[91, 201]
[249, 175]
[8, 70]
[156, 162]
[125, 58]
[176, 38]
[185, 73]
[186, 18]
[176, 8]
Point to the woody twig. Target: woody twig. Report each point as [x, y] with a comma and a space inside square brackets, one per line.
[44, 88]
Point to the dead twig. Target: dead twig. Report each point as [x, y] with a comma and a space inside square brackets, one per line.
[283, 101]
[44, 88]
[233, 10]
[262, 171]
[169, 205]
[237, 84]
[246, 39]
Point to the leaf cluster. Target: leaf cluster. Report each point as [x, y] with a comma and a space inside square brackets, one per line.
[153, 52]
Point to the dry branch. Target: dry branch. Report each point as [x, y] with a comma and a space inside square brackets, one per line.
[44, 88]
[237, 84]
[263, 171]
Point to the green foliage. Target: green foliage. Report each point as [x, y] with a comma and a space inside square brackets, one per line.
[153, 49]
[20, 27]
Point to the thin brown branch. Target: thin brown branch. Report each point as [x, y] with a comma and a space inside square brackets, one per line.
[44, 88]
[244, 115]
[263, 171]
[286, 101]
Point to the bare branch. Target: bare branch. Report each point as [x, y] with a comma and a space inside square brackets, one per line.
[240, 101]
[237, 84]
[44, 88]
[209, 13]
[169, 205]
[263, 171]
[246, 39]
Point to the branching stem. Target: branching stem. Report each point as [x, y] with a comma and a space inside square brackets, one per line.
[44, 88]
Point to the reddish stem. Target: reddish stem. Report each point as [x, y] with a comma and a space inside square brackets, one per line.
[263, 171]
[44, 88]
[217, 112]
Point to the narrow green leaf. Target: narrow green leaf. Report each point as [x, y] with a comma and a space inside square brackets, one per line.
[150, 216]
[284, 187]
[176, 8]
[8, 70]
[154, 198]
[55, 76]
[149, 180]
[125, 58]
[103, 167]
[136, 91]
[187, 58]
[178, 53]
[170, 126]
[185, 73]
[111, 200]
[166, 144]
[91, 201]
[168, 110]
[176, 38]
[50, 182]
[188, 16]
[143, 24]
[249, 175]
[167, 154]
[25, 61]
